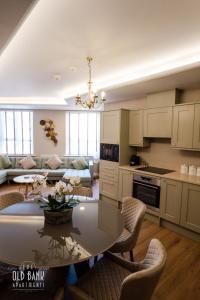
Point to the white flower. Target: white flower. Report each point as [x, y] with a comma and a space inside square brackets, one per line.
[68, 189]
[75, 181]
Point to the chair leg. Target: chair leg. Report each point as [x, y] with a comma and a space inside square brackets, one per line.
[131, 255]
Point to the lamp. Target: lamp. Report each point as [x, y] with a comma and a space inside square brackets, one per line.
[92, 99]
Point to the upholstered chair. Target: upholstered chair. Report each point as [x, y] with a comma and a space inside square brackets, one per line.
[82, 191]
[133, 211]
[113, 278]
[10, 199]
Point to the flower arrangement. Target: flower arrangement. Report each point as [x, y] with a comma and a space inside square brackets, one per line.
[57, 201]
[49, 128]
[39, 183]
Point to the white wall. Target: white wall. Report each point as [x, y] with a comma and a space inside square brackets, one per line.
[42, 145]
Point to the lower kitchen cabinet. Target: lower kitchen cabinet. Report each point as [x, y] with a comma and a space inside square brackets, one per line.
[109, 188]
[108, 179]
[125, 184]
[170, 201]
[190, 217]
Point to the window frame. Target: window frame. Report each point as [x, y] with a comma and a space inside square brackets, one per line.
[31, 131]
[68, 151]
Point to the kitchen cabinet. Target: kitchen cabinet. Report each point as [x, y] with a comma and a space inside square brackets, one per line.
[136, 129]
[125, 184]
[108, 179]
[157, 122]
[110, 127]
[196, 136]
[183, 126]
[170, 200]
[191, 207]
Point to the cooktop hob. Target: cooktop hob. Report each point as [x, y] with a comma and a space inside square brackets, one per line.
[155, 170]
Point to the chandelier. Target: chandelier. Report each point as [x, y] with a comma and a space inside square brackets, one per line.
[92, 100]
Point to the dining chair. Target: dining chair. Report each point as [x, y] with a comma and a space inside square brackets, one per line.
[113, 278]
[10, 199]
[5, 201]
[133, 212]
[81, 191]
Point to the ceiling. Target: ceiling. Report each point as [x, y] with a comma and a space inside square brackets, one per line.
[138, 46]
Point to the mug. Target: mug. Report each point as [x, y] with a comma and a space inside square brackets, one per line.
[192, 170]
[198, 171]
[184, 169]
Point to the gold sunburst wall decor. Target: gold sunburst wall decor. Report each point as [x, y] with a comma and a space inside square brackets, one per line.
[49, 129]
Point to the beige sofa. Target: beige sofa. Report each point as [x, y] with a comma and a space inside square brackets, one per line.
[66, 168]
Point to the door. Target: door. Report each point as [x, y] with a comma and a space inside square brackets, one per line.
[157, 122]
[125, 184]
[183, 122]
[191, 207]
[196, 137]
[110, 127]
[170, 200]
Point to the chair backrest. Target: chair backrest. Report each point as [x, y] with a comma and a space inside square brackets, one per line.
[133, 212]
[141, 284]
[82, 191]
[10, 199]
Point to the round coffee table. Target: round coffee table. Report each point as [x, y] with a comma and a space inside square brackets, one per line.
[27, 180]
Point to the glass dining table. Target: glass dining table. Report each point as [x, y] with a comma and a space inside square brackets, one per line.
[25, 237]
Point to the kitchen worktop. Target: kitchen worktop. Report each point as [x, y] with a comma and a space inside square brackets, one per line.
[173, 176]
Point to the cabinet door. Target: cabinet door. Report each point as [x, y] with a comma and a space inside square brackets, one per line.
[183, 121]
[125, 184]
[196, 138]
[191, 207]
[110, 127]
[157, 122]
[135, 128]
[170, 200]
[108, 188]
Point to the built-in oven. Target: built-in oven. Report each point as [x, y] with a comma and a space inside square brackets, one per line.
[147, 189]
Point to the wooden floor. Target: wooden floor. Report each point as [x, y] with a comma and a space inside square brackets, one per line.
[181, 277]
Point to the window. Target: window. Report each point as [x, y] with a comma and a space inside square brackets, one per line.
[83, 133]
[16, 132]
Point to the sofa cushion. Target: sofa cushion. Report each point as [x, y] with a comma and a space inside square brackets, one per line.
[70, 159]
[18, 172]
[54, 162]
[54, 173]
[3, 174]
[27, 162]
[83, 174]
[80, 164]
[45, 159]
[5, 161]
[36, 159]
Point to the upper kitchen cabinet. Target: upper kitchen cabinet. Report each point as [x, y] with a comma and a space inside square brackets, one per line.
[115, 130]
[110, 127]
[196, 137]
[136, 129]
[157, 122]
[183, 126]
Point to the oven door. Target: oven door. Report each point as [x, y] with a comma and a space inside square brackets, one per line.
[147, 193]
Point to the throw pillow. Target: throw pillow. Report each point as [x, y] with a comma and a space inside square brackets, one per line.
[84, 163]
[79, 164]
[6, 163]
[1, 163]
[27, 162]
[54, 162]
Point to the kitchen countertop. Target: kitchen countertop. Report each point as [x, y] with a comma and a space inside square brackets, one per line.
[173, 176]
